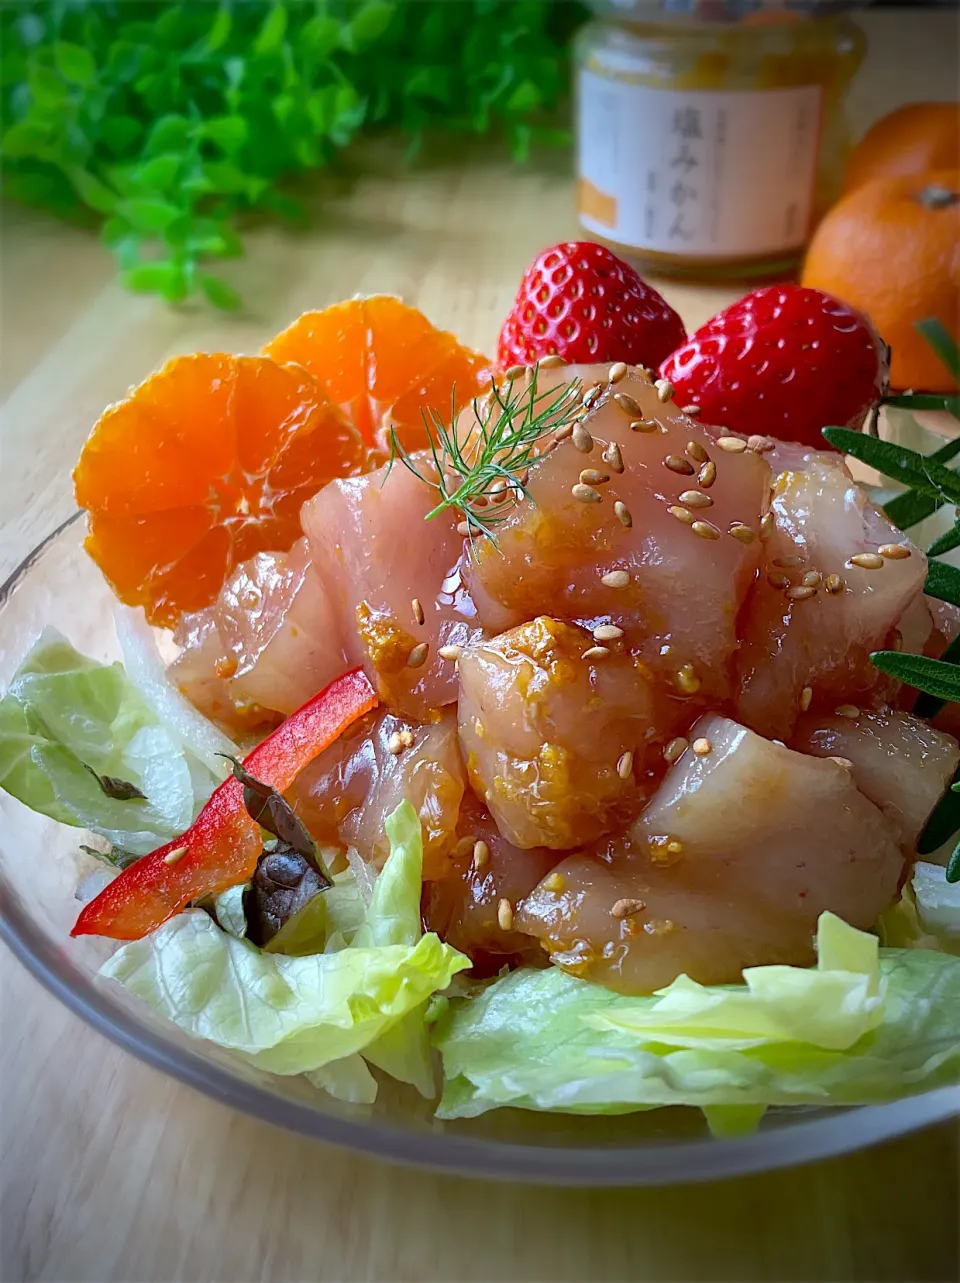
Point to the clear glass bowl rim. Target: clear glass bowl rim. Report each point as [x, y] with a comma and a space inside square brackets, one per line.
[655, 1163]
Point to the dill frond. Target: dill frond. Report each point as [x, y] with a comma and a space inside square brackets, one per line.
[495, 455]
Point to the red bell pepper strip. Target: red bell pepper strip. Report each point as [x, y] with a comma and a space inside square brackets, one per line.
[222, 846]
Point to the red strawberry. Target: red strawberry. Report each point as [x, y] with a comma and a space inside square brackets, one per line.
[583, 303]
[785, 361]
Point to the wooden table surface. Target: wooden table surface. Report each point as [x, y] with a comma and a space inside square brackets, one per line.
[111, 1171]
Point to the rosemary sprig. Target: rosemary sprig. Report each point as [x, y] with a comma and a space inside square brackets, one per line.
[474, 469]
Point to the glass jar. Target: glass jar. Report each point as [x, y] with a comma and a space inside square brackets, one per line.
[712, 133]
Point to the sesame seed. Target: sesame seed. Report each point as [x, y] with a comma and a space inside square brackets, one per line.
[732, 445]
[696, 499]
[894, 551]
[664, 390]
[417, 610]
[551, 361]
[834, 584]
[742, 532]
[691, 411]
[812, 579]
[481, 854]
[702, 747]
[418, 656]
[628, 404]
[776, 580]
[593, 477]
[617, 371]
[596, 652]
[177, 854]
[592, 395]
[501, 483]
[395, 744]
[563, 432]
[676, 749]
[687, 679]
[585, 494]
[625, 765]
[463, 847]
[677, 464]
[847, 710]
[463, 528]
[759, 444]
[806, 698]
[787, 563]
[705, 530]
[623, 514]
[612, 457]
[505, 915]
[626, 908]
[708, 475]
[801, 593]
[766, 526]
[521, 479]
[696, 451]
[516, 372]
[615, 579]
[582, 440]
[644, 425]
[554, 882]
[607, 632]
[866, 560]
[682, 514]
[449, 652]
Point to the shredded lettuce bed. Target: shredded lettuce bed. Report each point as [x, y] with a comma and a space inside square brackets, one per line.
[312, 1014]
[63, 713]
[865, 1025]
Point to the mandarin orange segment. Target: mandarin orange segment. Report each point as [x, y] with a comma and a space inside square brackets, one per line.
[384, 364]
[203, 465]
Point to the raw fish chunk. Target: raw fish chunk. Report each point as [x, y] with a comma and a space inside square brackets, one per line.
[378, 557]
[685, 583]
[899, 762]
[558, 742]
[813, 617]
[730, 865]
[345, 795]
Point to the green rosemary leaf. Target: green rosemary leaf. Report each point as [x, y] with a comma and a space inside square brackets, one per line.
[953, 868]
[925, 475]
[908, 509]
[934, 676]
[930, 705]
[946, 543]
[943, 582]
[920, 401]
[942, 824]
[943, 343]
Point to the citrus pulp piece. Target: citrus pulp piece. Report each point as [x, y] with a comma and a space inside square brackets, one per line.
[203, 465]
[385, 365]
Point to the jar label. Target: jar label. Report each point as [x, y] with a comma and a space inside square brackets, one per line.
[698, 173]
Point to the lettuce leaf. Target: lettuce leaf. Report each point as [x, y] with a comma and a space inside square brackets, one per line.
[293, 1015]
[927, 915]
[866, 1024]
[64, 712]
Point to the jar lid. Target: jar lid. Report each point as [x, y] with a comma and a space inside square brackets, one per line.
[724, 10]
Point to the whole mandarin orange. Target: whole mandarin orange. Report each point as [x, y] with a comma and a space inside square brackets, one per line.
[892, 249]
[911, 140]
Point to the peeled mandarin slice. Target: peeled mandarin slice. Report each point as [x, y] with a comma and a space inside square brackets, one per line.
[384, 365]
[204, 464]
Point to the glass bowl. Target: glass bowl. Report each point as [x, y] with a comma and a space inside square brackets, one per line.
[41, 865]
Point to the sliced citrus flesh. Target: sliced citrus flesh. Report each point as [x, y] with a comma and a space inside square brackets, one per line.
[203, 465]
[384, 365]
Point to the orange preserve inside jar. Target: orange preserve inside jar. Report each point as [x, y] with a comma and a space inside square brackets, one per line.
[712, 133]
